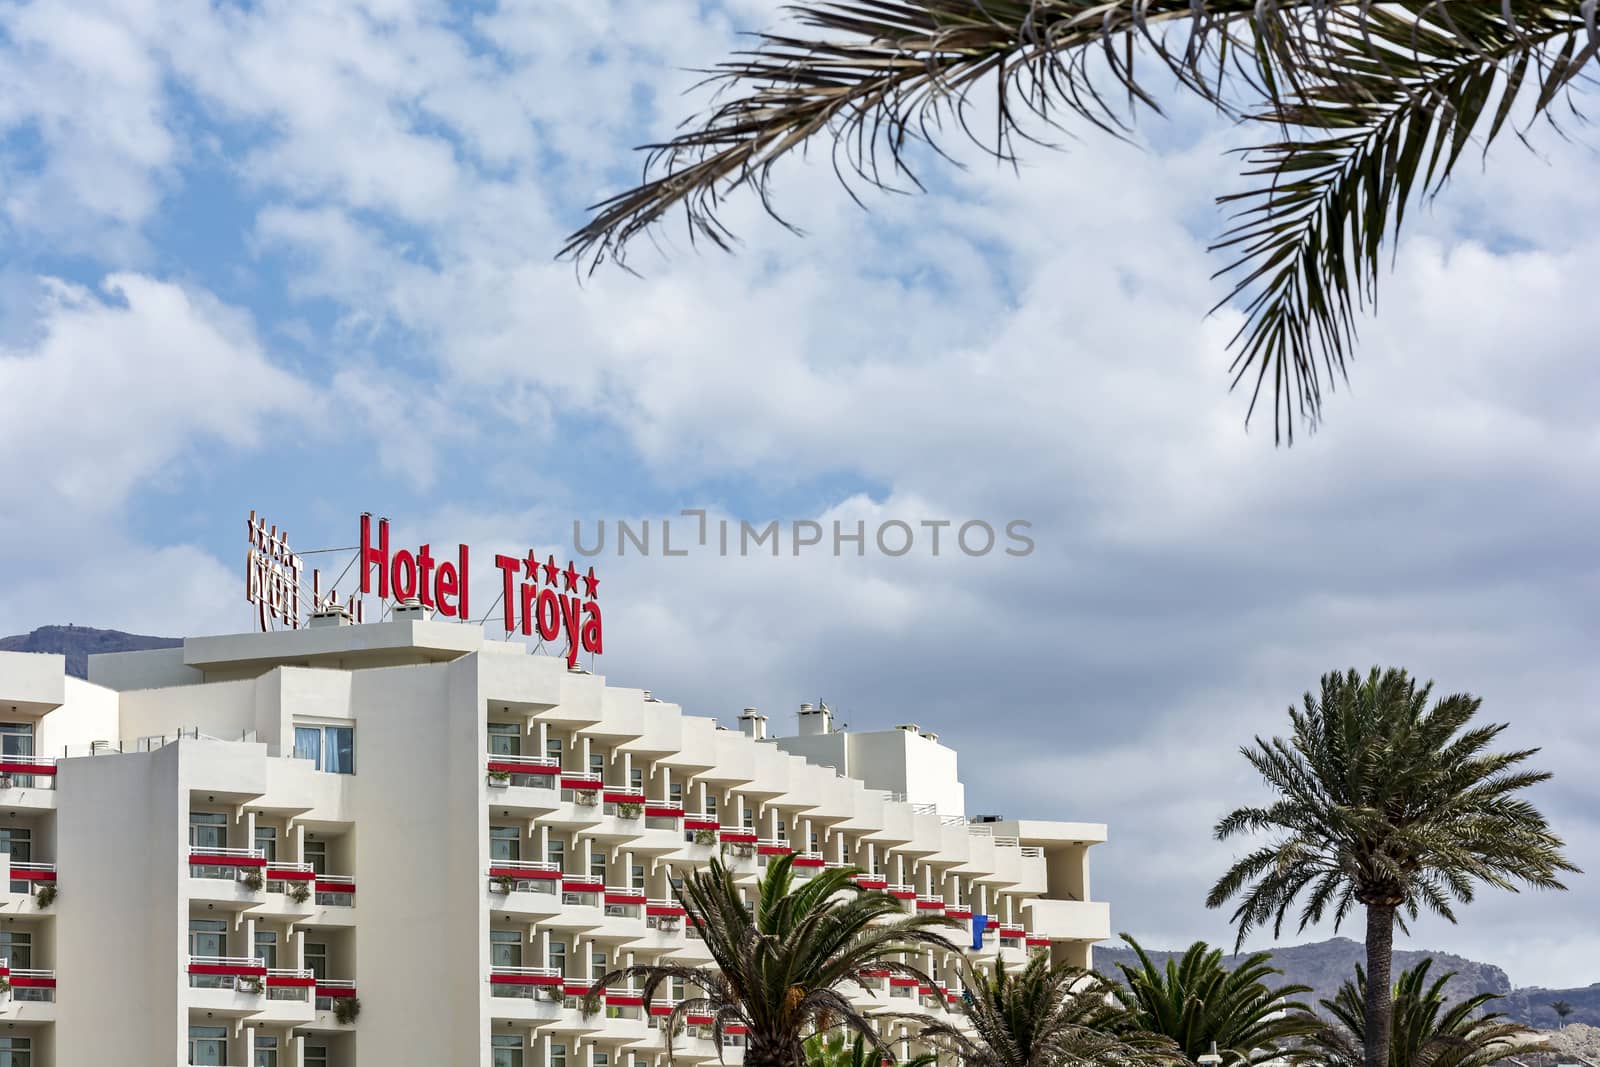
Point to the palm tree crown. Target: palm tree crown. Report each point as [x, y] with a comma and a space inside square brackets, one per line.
[782, 968]
[1044, 1016]
[1385, 802]
[1202, 1005]
[1369, 106]
[1428, 1031]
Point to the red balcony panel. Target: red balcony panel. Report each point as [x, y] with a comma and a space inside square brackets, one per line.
[701, 824]
[278, 874]
[736, 1029]
[875, 974]
[626, 898]
[958, 913]
[1037, 941]
[872, 881]
[697, 1019]
[744, 837]
[581, 885]
[1012, 931]
[335, 991]
[581, 785]
[625, 1000]
[36, 981]
[243, 970]
[774, 850]
[664, 909]
[523, 768]
[211, 859]
[661, 1009]
[662, 811]
[902, 981]
[334, 887]
[809, 861]
[525, 979]
[24, 874]
[524, 874]
[290, 981]
[903, 894]
[929, 905]
[14, 767]
[924, 990]
[622, 796]
[576, 989]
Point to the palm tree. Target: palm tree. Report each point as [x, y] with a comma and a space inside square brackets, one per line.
[1205, 1007]
[1363, 107]
[1428, 1032]
[1387, 803]
[1043, 1016]
[835, 1049]
[783, 967]
[1562, 1008]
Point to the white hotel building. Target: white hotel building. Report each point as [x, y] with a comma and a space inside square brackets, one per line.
[253, 834]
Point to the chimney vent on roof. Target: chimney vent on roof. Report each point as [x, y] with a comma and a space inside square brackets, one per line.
[331, 615]
[410, 609]
[909, 727]
[931, 737]
[753, 724]
[815, 721]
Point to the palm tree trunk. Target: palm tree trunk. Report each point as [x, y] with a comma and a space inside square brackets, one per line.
[1380, 986]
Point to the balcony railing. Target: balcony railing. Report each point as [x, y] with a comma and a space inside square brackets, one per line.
[289, 983]
[526, 982]
[332, 989]
[812, 860]
[336, 890]
[701, 820]
[900, 891]
[582, 783]
[223, 862]
[27, 772]
[33, 872]
[245, 974]
[524, 876]
[537, 771]
[773, 846]
[660, 914]
[928, 903]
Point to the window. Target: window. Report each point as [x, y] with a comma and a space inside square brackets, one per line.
[329, 748]
[636, 778]
[638, 876]
[555, 852]
[505, 948]
[597, 865]
[558, 1055]
[316, 854]
[16, 948]
[16, 1052]
[209, 937]
[711, 803]
[505, 843]
[558, 957]
[317, 959]
[749, 819]
[267, 948]
[505, 739]
[16, 739]
[208, 829]
[675, 793]
[598, 965]
[597, 764]
[208, 1045]
[267, 842]
[266, 1051]
[18, 840]
[552, 748]
[506, 1049]
[316, 1056]
[602, 1059]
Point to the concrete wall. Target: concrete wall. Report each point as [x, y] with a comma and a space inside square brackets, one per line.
[121, 846]
[89, 713]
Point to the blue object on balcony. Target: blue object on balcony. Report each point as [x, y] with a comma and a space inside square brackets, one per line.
[978, 923]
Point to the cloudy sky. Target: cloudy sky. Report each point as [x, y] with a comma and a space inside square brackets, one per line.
[297, 257]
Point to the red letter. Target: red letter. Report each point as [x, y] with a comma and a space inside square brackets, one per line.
[570, 606]
[403, 564]
[466, 581]
[529, 591]
[510, 567]
[379, 555]
[549, 615]
[445, 587]
[591, 628]
[424, 569]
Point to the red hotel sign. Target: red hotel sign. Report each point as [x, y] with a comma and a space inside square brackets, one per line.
[536, 597]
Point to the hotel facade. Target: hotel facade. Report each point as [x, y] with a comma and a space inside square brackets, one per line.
[403, 844]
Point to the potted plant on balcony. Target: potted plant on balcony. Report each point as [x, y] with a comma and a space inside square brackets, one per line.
[552, 994]
[587, 797]
[629, 810]
[299, 892]
[45, 895]
[6, 781]
[346, 1009]
[252, 879]
[705, 837]
[250, 984]
[500, 778]
[502, 884]
[5, 987]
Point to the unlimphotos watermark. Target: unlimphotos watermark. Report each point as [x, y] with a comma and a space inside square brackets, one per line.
[727, 537]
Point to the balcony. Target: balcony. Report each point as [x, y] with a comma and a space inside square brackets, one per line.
[900, 891]
[33, 994]
[228, 986]
[872, 882]
[289, 995]
[527, 994]
[225, 862]
[773, 846]
[335, 890]
[522, 772]
[28, 781]
[930, 904]
[809, 861]
[624, 902]
[329, 991]
[32, 879]
[1070, 920]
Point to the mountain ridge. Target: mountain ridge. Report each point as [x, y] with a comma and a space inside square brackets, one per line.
[78, 643]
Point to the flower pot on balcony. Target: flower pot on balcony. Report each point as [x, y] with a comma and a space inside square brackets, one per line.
[588, 798]
[251, 879]
[5, 781]
[629, 810]
[252, 986]
[45, 895]
[501, 884]
[705, 837]
[499, 778]
[299, 892]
